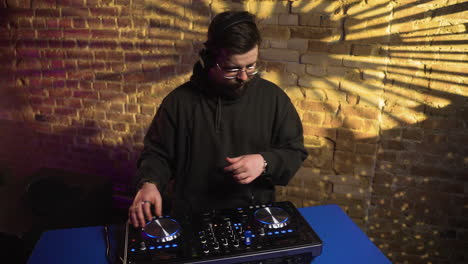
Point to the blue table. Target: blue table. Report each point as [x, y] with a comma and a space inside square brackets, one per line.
[343, 241]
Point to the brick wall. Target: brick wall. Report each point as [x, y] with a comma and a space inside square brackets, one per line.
[381, 88]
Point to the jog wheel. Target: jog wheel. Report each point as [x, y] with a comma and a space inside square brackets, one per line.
[272, 217]
[162, 229]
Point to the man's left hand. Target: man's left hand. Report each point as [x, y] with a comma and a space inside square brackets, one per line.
[245, 168]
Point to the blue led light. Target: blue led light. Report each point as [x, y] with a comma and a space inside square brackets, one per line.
[270, 233]
[174, 245]
[283, 231]
[253, 235]
[132, 250]
[151, 247]
[167, 246]
[159, 247]
[276, 232]
[290, 230]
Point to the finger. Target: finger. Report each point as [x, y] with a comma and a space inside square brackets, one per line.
[140, 216]
[133, 217]
[246, 180]
[158, 207]
[240, 170]
[241, 176]
[233, 160]
[233, 166]
[147, 211]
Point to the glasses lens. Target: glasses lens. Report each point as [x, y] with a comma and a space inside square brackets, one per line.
[235, 72]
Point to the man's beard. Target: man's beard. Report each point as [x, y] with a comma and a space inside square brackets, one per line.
[232, 90]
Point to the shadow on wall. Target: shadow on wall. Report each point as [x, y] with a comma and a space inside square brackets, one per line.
[381, 91]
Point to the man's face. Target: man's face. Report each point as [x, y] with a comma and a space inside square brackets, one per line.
[224, 76]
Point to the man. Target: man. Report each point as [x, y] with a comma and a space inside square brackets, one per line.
[223, 139]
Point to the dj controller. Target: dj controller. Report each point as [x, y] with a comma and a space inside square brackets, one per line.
[267, 233]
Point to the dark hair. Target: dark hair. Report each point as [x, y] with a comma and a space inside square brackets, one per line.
[233, 31]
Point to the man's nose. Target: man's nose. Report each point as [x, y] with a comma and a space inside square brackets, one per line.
[242, 75]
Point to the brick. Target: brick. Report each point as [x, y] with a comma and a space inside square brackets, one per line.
[413, 134]
[318, 82]
[124, 22]
[367, 149]
[340, 48]
[280, 55]
[78, 54]
[28, 53]
[309, 19]
[65, 22]
[363, 112]
[108, 77]
[132, 108]
[315, 118]
[315, 58]
[79, 23]
[76, 33]
[288, 19]
[319, 106]
[316, 70]
[296, 68]
[278, 44]
[104, 33]
[332, 120]
[65, 111]
[121, 127]
[54, 73]
[441, 123]
[298, 44]
[330, 21]
[363, 137]
[430, 171]
[348, 146]
[103, 11]
[109, 22]
[48, 33]
[75, 12]
[266, 8]
[318, 46]
[116, 107]
[321, 132]
[47, 13]
[85, 94]
[112, 96]
[164, 34]
[275, 32]
[310, 33]
[132, 56]
[363, 50]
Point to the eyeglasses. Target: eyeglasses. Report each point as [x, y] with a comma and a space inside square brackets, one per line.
[232, 73]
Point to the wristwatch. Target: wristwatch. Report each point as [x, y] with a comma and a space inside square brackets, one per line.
[265, 167]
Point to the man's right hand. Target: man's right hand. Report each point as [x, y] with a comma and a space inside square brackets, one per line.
[141, 207]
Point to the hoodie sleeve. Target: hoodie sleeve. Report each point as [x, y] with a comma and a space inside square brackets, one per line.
[287, 151]
[156, 161]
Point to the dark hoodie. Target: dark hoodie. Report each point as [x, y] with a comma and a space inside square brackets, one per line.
[195, 129]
